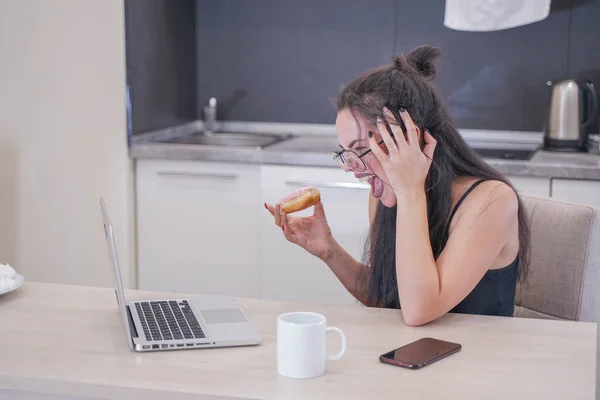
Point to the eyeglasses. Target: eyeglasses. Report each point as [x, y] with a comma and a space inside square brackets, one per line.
[351, 159]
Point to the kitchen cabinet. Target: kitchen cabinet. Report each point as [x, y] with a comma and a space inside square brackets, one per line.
[197, 226]
[531, 186]
[288, 272]
[202, 227]
[577, 191]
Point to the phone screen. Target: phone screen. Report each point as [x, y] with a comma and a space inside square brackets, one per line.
[421, 352]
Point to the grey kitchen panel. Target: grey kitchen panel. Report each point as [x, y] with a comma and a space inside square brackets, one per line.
[215, 55]
[284, 61]
[161, 62]
[490, 80]
[584, 57]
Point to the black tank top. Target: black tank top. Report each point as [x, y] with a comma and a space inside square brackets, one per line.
[495, 292]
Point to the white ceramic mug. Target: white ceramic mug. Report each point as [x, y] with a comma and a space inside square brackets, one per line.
[301, 344]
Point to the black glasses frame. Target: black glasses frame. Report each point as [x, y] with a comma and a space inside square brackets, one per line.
[338, 154]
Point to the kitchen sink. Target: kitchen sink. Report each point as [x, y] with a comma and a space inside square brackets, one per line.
[229, 139]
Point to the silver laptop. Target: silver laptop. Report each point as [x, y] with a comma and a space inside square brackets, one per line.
[178, 323]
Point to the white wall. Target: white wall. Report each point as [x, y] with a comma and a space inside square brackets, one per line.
[63, 140]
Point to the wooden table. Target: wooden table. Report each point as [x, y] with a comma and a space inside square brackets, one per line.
[62, 341]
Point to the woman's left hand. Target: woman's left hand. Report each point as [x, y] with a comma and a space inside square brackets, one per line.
[405, 165]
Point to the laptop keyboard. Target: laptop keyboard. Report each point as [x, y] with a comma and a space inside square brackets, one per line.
[168, 320]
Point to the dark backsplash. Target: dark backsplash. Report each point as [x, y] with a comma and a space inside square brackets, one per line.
[161, 62]
[281, 61]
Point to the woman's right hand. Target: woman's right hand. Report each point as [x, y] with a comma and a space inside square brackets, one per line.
[311, 233]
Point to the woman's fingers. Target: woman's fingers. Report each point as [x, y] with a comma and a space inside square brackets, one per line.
[411, 129]
[277, 215]
[381, 156]
[284, 221]
[395, 127]
[319, 211]
[387, 138]
[430, 144]
[270, 209]
[281, 220]
[285, 227]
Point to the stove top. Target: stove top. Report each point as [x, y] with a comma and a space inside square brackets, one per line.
[505, 154]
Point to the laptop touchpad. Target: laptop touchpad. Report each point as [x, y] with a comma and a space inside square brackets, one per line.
[226, 316]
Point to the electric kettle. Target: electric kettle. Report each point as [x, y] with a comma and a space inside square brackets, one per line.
[572, 109]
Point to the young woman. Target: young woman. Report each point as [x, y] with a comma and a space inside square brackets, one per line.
[448, 232]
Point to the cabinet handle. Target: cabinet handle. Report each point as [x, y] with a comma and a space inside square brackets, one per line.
[334, 185]
[197, 174]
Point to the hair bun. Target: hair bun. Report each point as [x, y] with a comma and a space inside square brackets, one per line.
[422, 58]
[401, 63]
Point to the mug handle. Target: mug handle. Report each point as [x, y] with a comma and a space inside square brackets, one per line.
[335, 357]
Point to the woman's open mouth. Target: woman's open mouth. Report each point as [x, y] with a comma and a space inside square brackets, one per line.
[376, 184]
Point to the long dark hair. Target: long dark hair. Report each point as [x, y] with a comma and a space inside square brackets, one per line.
[408, 84]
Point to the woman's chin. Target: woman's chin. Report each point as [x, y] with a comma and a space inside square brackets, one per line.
[388, 198]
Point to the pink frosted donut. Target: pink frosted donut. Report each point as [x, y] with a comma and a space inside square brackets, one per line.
[300, 199]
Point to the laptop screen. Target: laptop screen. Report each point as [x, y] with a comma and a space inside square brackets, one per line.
[114, 260]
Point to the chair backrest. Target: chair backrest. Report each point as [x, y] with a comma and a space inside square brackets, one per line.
[564, 272]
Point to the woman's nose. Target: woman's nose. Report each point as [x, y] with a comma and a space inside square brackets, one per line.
[354, 164]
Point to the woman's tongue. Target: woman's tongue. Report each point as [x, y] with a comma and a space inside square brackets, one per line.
[376, 186]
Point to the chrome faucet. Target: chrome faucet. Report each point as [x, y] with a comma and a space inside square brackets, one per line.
[210, 116]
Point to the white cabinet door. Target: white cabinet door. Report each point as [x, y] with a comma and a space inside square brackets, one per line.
[288, 272]
[538, 187]
[577, 191]
[197, 225]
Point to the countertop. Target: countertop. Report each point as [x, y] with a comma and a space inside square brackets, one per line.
[64, 341]
[316, 150]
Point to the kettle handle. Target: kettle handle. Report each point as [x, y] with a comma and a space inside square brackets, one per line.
[590, 88]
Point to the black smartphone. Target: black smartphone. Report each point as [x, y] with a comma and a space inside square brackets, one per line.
[420, 353]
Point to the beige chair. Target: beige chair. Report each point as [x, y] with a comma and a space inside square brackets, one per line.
[564, 272]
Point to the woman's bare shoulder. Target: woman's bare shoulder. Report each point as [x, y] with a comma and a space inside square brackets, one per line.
[499, 193]
[491, 196]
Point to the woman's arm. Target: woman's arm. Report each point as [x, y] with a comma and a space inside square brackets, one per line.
[372, 208]
[314, 235]
[347, 270]
[429, 288]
